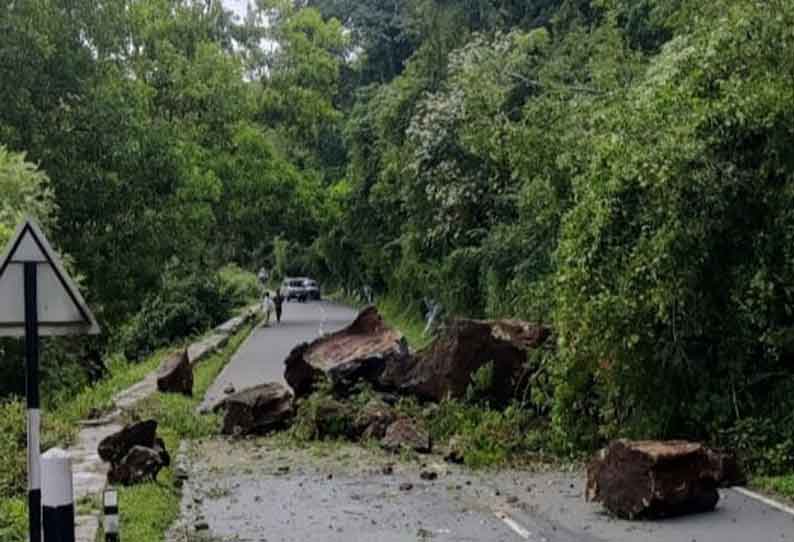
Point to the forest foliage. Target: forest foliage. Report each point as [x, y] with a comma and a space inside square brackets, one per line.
[618, 169]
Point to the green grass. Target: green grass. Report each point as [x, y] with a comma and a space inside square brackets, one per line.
[778, 485]
[13, 519]
[148, 510]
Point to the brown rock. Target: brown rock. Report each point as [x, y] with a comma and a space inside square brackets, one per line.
[256, 410]
[654, 479]
[445, 368]
[372, 421]
[141, 464]
[454, 453]
[360, 352]
[176, 374]
[113, 448]
[409, 434]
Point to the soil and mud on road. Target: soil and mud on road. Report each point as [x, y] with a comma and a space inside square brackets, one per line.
[252, 487]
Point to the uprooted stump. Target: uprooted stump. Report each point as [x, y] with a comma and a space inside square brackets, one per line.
[176, 374]
[360, 352]
[445, 368]
[257, 410]
[135, 454]
[655, 479]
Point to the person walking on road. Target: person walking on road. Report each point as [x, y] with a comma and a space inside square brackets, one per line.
[267, 308]
[278, 301]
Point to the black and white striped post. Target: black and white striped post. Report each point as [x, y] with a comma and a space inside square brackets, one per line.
[57, 496]
[111, 511]
[32, 391]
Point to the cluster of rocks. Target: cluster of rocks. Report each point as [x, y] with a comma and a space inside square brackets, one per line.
[369, 351]
[136, 454]
[644, 479]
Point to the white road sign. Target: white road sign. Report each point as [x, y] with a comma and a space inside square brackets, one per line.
[61, 308]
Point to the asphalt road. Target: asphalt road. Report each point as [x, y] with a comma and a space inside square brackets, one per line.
[261, 358]
[267, 490]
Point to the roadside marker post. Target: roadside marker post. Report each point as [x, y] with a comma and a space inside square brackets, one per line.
[57, 496]
[37, 298]
[111, 513]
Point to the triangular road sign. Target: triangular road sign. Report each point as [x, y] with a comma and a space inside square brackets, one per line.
[61, 308]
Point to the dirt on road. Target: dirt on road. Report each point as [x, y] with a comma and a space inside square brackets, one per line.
[267, 489]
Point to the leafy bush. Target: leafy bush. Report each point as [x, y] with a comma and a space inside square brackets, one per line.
[321, 416]
[490, 437]
[240, 287]
[764, 446]
[187, 303]
[13, 520]
[25, 190]
[481, 389]
[13, 444]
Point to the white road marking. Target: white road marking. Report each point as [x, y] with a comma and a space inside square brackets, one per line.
[323, 321]
[514, 525]
[766, 500]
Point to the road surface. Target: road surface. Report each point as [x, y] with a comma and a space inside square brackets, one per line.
[261, 358]
[266, 489]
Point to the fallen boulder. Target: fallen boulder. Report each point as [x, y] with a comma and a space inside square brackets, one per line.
[176, 374]
[445, 368]
[256, 410]
[113, 448]
[363, 351]
[141, 464]
[654, 479]
[407, 434]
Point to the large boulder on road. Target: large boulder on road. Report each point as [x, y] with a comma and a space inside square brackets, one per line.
[113, 448]
[176, 374]
[445, 368]
[656, 479]
[363, 351]
[257, 410]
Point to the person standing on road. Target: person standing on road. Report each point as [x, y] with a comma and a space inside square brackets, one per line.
[278, 301]
[267, 308]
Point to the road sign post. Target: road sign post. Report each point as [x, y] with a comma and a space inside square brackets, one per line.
[37, 298]
[32, 393]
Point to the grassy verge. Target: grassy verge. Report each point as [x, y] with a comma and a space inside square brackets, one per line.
[148, 510]
[779, 486]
